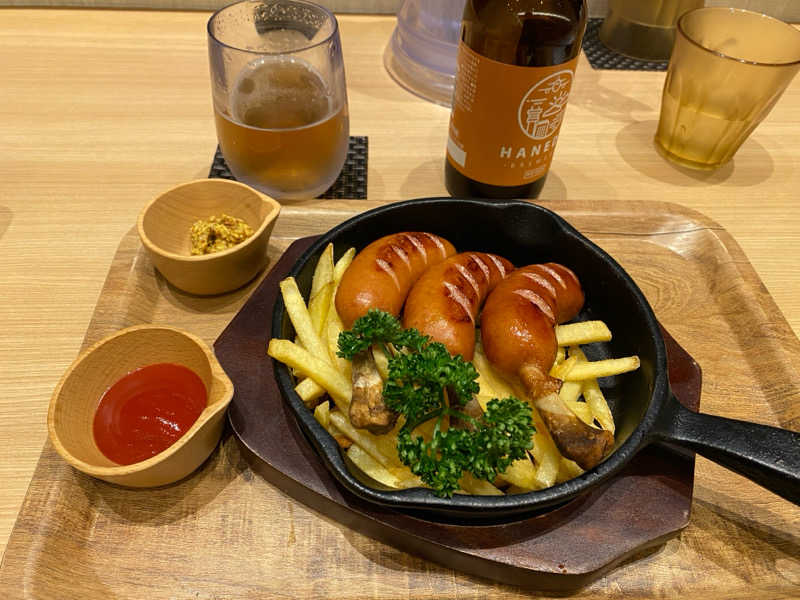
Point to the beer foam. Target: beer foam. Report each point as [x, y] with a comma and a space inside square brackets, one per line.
[280, 92]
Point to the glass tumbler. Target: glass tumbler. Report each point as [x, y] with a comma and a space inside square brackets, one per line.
[644, 29]
[280, 103]
[728, 69]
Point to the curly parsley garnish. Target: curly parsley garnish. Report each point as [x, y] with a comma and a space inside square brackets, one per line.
[426, 383]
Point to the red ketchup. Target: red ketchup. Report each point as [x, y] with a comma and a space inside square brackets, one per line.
[146, 412]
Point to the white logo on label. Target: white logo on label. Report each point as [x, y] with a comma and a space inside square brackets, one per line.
[542, 108]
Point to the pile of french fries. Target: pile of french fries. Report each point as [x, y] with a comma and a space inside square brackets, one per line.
[319, 371]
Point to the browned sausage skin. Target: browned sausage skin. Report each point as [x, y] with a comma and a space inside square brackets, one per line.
[518, 335]
[445, 300]
[381, 275]
[518, 320]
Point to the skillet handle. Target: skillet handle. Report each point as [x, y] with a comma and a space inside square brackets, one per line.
[767, 455]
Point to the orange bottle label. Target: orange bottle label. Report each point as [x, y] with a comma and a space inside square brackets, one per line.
[506, 118]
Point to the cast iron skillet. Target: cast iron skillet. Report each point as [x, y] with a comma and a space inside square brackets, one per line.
[644, 408]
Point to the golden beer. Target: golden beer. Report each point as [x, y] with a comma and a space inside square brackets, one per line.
[286, 135]
[698, 136]
[728, 69]
[516, 63]
[280, 103]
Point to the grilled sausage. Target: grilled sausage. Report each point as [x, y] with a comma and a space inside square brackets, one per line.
[381, 275]
[445, 300]
[519, 318]
[518, 335]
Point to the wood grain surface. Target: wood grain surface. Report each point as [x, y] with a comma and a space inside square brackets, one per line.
[227, 533]
[102, 110]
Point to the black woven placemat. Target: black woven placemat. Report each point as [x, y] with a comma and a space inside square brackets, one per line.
[602, 57]
[351, 183]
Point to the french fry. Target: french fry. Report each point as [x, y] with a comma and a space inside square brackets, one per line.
[381, 361]
[569, 393]
[585, 332]
[319, 306]
[521, 473]
[314, 367]
[582, 410]
[598, 405]
[485, 389]
[601, 368]
[545, 453]
[341, 265]
[472, 485]
[568, 469]
[309, 391]
[333, 327]
[364, 461]
[322, 414]
[546, 456]
[594, 397]
[322, 286]
[332, 429]
[497, 386]
[382, 448]
[406, 478]
[561, 354]
[560, 370]
[396, 477]
[301, 319]
[332, 330]
[323, 272]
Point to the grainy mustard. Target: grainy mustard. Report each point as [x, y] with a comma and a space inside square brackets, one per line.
[218, 233]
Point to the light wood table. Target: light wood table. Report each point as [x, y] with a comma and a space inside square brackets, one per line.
[100, 110]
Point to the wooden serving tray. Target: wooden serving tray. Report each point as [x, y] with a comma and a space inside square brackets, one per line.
[226, 532]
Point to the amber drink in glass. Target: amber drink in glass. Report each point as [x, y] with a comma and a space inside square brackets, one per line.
[728, 69]
[280, 104]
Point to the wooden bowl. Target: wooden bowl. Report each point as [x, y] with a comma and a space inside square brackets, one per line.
[165, 222]
[77, 395]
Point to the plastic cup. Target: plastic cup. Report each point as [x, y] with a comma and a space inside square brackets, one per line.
[728, 69]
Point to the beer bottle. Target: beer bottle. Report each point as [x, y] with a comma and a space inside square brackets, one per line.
[516, 62]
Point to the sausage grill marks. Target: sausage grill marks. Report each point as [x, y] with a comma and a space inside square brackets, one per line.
[518, 335]
[445, 301]
[519, 318]
[445, 292]
[381, 275]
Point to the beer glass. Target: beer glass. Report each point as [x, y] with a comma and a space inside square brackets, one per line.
[643, 29]
[280, 103]
[728, 69]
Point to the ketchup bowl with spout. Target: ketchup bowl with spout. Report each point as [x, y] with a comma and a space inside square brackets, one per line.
[72, 419]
